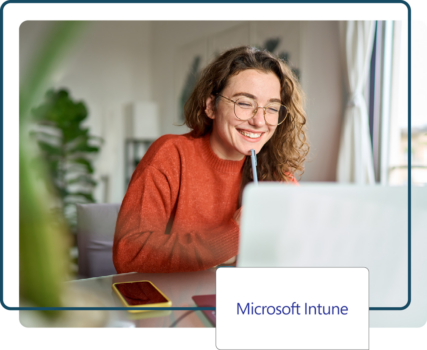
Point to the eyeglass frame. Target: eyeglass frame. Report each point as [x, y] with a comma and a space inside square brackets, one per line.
[255, 111]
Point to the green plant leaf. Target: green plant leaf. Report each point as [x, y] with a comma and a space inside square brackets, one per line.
[271, 44]
[190, 83]
[49, 149]
[42, 246]
[78, 195]
[43, 135]
[82, 162]
[62, 35]
[284, 56]
[82, 145]
[82, 179]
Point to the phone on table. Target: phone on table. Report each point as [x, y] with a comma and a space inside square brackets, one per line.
[140, 293]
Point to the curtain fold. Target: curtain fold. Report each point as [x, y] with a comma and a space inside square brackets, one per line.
[355, 163]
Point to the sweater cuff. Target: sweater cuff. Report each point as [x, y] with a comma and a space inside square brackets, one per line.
[225, 242]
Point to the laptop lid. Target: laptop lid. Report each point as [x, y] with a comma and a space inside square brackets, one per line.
[330, 225]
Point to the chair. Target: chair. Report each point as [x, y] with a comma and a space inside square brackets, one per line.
[95, 233]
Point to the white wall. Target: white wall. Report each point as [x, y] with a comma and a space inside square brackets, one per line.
[321, 78]
[108, 67]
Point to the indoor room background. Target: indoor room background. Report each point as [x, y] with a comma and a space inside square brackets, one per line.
[132, 79]
[131, 76]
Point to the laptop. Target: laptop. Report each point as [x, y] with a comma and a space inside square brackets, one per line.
[330, 225]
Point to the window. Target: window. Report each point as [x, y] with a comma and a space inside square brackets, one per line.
[380, 102]
[398, 134]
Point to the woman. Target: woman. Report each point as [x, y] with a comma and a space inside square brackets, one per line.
[181, 210]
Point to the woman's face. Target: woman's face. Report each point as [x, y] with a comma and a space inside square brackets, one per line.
[231, 138]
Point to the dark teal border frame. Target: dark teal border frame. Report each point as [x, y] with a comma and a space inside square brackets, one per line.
[196, 1]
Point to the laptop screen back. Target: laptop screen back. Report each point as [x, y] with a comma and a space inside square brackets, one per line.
[319, 225]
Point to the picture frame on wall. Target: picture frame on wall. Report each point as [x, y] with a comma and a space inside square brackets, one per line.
[190, 60]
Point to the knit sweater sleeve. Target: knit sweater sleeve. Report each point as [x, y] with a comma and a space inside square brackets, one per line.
[144, 241]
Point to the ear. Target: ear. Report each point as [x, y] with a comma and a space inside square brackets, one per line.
[209, 110]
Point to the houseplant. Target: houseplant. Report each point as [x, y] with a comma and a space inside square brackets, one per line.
[68, 149]
[43, 246]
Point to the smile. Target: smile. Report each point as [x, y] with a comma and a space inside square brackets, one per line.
[250, 134]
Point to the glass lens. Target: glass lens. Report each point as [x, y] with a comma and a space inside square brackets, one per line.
[244, 108]
[275, 113]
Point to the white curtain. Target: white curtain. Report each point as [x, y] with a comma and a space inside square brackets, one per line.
[355, 163]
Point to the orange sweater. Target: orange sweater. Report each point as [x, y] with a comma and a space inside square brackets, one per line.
[177, 212]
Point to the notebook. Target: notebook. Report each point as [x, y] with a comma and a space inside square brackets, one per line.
[207, 301]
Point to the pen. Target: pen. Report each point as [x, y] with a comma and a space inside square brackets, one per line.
[253, 159]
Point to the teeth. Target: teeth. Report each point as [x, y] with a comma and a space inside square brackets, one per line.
[249, 134]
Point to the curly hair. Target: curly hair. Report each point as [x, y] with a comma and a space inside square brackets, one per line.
[284, 154]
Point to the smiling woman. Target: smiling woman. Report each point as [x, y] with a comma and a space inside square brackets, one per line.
[182, 209]
[238, 129]
[265, 79]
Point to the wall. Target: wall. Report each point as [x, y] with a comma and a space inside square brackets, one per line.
[322, 82]
[108, 67]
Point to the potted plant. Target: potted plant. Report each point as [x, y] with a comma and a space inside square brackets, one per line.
[67, 148]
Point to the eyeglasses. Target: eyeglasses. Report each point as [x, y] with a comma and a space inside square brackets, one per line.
[245, 108]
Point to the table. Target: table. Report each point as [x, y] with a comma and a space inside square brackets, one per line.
[179, 287]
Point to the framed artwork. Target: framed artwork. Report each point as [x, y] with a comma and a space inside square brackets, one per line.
[282, 38]
[190, 60]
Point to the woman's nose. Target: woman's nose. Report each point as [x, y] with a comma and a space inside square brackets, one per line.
[258, 119]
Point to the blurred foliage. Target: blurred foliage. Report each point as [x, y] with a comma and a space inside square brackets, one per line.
[68, 149]
[43, 254]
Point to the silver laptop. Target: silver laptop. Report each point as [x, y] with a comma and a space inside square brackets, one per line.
[330, 225]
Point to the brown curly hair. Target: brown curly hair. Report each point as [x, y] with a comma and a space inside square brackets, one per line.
[284, 154]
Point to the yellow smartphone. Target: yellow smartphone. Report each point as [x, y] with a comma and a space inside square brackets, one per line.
[140, 293]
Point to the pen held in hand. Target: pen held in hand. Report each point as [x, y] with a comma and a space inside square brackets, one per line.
[254, 164]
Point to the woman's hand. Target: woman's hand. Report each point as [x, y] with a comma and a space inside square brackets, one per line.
[230, 261]
[236, 216]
